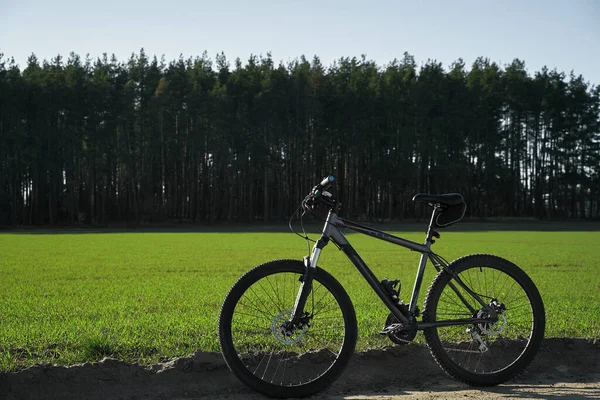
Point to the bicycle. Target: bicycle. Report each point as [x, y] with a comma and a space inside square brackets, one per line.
[288, 328]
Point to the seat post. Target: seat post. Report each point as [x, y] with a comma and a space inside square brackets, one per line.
[430, 230]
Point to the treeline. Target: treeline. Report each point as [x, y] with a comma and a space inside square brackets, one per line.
[103, 141]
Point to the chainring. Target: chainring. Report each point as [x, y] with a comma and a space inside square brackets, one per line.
[398, 336]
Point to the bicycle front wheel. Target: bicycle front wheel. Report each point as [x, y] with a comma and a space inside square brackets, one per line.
[484, 354]
[281, 362]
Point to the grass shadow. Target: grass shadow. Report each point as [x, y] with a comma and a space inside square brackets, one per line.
[314, 226]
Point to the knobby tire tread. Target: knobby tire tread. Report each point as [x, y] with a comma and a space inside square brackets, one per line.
[440, 355]
[230, 354]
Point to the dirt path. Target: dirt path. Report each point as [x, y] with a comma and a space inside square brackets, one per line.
[536, 391]
[564, 368]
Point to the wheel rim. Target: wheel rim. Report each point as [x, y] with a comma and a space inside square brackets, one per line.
[280, 356]
[485, 348]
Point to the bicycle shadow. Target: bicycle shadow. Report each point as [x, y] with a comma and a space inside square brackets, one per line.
[563, 368]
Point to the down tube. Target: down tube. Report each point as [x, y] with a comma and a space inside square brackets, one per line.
[364, 270]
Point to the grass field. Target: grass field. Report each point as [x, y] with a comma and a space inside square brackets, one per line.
[68, 298]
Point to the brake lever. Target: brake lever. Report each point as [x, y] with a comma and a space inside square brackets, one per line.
[308, 205]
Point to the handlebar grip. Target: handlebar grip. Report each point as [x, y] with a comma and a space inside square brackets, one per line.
[327, 180]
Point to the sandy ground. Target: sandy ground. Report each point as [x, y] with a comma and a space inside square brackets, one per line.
[564, 368]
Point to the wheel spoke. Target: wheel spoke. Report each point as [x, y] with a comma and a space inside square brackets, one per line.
[275, 352]
[477, 353]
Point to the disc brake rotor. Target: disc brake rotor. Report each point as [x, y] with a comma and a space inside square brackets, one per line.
[282, 333]
[492, 328]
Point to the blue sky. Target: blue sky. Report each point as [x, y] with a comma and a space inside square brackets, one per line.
[559, 34]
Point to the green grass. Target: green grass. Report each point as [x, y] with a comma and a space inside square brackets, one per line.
[69, 298]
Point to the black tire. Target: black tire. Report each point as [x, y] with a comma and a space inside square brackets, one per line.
[270, 362]
[511, 343]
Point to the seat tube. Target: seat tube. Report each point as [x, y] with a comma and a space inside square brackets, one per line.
[422, 263]
[418, 281]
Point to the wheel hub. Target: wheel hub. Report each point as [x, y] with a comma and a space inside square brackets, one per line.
[492, 328]
[282, 331]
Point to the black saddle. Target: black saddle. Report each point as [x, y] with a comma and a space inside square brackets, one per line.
[445, 200]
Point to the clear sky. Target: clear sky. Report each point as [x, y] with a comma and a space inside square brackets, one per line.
[556, 33]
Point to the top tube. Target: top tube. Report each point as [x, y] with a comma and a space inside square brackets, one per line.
[343, 223]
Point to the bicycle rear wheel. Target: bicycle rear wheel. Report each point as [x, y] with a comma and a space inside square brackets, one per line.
[276, 361]
[484, 354]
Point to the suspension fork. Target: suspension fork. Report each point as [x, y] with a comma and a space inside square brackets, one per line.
[310, 266]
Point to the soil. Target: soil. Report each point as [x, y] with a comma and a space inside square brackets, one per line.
[564, 368]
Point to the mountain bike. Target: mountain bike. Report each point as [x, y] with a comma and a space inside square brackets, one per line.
[288, 328]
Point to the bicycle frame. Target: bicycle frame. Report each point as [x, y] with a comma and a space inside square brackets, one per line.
[331, 231]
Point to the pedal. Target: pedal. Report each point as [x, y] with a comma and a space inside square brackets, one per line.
[390, 284]
[391, 328]
[390, 288]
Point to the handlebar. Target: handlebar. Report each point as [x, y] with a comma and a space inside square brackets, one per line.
[319, 193]
[327, 181]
